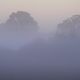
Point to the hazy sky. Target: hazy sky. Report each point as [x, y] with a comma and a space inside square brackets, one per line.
[46, 12]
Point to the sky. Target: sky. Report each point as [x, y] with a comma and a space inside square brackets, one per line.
[48, 13]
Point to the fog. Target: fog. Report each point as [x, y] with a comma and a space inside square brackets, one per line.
[27, 53]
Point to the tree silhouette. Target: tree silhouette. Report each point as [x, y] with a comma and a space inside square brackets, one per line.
[69, 27]
[21, 21]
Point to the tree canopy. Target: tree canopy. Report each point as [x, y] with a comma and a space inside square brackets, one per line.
[69, 27]
[21, 21]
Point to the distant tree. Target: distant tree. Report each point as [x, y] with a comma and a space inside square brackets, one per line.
[69, 27]
[21, 21]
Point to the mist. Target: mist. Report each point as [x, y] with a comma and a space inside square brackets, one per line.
[27, 52]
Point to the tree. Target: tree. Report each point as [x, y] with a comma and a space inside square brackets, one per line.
[69, 28]
[21, 21]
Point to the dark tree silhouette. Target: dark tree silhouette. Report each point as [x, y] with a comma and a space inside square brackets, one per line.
[69, 28]
[21, 21]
